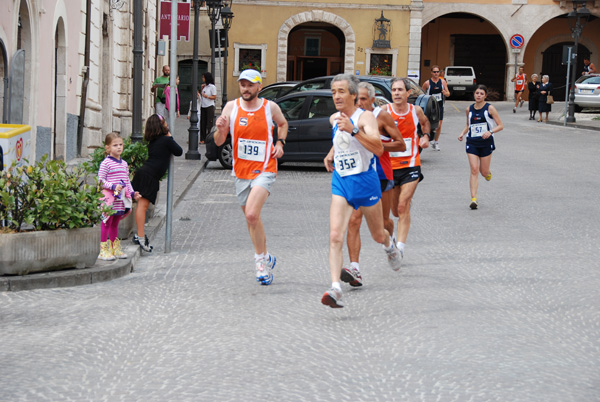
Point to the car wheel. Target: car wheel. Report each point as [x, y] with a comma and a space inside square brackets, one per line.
[226, 155]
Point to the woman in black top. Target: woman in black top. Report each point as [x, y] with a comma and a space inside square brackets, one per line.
[545, 90]
[147, 179]
[533, 86]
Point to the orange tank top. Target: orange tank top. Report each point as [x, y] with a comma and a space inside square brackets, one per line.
[407, 124]
[519, 82]
[252, 140]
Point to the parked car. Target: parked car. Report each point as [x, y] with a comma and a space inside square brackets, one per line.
[461, 80]
[587, 92]
[383, 88]
[309, 133]
[274, 91]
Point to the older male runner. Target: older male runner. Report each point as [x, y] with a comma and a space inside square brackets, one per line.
[354, 182]
[388, 132]
[249, 120]
[407, 164]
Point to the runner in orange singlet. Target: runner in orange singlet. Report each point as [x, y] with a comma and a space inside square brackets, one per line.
[249, 120]
[520, 81]
[407, 164]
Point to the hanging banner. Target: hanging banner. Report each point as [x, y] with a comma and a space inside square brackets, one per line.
[183, 20]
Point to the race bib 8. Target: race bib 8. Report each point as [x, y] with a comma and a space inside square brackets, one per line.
[478, 129]
[408, 152]
[251, 150]
[348, 163]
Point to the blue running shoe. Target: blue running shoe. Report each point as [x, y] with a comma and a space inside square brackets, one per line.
[263, 272]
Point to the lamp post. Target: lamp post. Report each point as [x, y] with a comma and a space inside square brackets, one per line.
[214, 13]
[226, 18]
[192, 152]
[576, 33]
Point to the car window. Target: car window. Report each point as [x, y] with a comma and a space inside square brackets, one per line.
[309, 86]
[291, 108]
[381, 101]
[321, 106]
[592, 80]
[460, 72]
[269, 93]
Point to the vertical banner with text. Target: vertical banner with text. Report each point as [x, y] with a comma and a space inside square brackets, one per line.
[183, 20]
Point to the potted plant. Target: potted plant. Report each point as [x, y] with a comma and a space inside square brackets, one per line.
[50, 216]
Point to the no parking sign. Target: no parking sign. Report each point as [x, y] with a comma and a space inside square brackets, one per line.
[517, 41]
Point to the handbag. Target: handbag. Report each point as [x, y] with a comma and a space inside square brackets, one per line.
[550, 99]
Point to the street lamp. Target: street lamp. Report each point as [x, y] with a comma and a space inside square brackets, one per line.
[214, 13]
[192, 152]
[576, 33]
[226, 18]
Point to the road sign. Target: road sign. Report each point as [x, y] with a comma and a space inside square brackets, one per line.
[517, 41]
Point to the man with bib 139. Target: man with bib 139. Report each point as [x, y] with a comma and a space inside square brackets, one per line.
[355, 182]
[249, 119]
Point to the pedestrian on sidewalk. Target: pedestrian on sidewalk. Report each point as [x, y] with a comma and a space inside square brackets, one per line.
[438, 88]
[588, 67]
[168, 101]
[354, 182]
[533, 88]
[391, 140]
[483, 122]
[545, 91]
[519, 79]
[250, 120]
[161, 146]
[158, 88]
[113, 176]
[197, 110]
[207, 110]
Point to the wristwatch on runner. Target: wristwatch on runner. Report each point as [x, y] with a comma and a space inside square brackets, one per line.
[282, 140]
[354, 131]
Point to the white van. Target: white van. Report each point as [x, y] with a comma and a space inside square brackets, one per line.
[461, 79]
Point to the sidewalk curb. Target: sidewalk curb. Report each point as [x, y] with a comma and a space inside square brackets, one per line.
[573, 125]
[102, 271]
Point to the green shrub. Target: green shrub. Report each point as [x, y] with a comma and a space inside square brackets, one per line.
[48, 196]
[134, 153]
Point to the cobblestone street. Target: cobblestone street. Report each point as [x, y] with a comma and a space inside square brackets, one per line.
[497, 304]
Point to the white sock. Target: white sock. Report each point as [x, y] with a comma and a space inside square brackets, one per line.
[258, 257]
[355, 265]
[400, 246]
[337, 286]
[388, 248]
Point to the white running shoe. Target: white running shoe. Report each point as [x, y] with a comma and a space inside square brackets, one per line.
[351, 276]
[263, 272]
[394, 255]
[332, 298]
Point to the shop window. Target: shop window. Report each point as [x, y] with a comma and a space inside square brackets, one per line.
[381, 62]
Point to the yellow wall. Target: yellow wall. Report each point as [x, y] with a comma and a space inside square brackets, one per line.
[256, 25]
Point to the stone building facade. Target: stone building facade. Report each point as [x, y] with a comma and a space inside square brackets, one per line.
[57, 39]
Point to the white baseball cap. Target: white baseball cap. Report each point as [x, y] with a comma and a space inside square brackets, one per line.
[250, 75]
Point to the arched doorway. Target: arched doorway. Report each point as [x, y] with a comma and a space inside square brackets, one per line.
[59, 132]
[464, 39]
[315, 49]
[24, 42]
[552, 65]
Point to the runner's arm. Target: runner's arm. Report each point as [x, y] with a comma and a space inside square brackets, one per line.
[222, 124]
[282, 128]
[466, 129]
[388, 126]
[368, 134]
[425, 127]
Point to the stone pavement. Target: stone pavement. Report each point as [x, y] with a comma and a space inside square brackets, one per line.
[186, 172]
[498, 304]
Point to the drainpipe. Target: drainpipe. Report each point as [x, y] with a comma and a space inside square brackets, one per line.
[86, 75]
[6, 85]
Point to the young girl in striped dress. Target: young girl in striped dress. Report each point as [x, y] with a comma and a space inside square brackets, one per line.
[113, 176]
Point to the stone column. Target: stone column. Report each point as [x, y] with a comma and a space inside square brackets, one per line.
[414, 36]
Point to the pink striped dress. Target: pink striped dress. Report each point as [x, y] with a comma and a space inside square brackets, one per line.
[113, 172]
